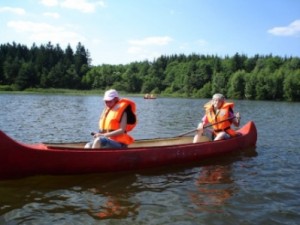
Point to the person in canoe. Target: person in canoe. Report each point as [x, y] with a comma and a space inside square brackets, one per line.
[116, 120]
[220, 115]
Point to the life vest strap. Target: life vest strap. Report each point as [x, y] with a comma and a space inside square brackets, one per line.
[106, 131]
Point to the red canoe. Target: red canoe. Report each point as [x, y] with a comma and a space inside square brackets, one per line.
[20, 160]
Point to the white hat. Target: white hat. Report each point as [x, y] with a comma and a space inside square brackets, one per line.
[110, 95]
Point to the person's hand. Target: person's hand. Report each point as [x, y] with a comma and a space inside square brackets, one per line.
[237, 116]
[98, 135]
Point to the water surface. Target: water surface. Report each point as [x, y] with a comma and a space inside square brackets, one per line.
[259, 186]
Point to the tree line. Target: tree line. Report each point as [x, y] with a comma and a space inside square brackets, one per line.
[260, 77]
[46, 66]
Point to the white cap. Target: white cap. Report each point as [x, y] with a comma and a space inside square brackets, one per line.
[110, 95]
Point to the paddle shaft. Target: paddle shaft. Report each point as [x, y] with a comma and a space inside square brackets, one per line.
[210, 125]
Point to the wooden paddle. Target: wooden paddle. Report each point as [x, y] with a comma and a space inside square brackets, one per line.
[210, 125]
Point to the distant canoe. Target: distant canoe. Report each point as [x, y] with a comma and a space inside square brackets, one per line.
[19, 159]
[149, 96]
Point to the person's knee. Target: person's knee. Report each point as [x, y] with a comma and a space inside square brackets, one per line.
[195, 139]
[88, 145]
[219, 136]
[97, 143]
[222, 136]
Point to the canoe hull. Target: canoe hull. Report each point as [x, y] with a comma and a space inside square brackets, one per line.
[20, 160]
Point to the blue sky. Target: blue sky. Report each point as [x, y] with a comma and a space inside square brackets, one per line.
[124, 31]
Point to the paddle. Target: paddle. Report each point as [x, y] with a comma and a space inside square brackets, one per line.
[210, 125]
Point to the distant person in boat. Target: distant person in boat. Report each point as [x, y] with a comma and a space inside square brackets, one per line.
[216, 111]
[149, 96]
[116, 120]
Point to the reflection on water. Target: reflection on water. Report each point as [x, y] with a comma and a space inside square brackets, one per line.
[115, 206]
[214, 187]
[260, 186]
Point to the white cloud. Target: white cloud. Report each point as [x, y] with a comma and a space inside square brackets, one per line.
[81, 5]
[149, 47]
[52, 15]
[143, 53]
[151, 41]
[293, 29]
[27, 26]
[18, 11]
[43, 32]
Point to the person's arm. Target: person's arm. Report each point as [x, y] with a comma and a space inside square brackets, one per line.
[236, 121]
[203, 122]
[236, 118]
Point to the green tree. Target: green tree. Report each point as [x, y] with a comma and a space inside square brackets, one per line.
[237, 62]
[236, 87]
[265, 86]
[68, 56]
[171, 73]
[291, 86]
[205, 91]
[26, 77]
[81, 57]
[219, 83]
[11, 70]
[250, 86]
[259, 77]
[132, 83]
[71, 78]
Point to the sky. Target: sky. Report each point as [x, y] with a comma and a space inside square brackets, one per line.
[124, 31]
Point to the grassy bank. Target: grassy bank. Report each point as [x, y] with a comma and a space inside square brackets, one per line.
[59, 91]
[8, 89]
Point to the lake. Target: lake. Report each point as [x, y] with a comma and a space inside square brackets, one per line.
[258, 186]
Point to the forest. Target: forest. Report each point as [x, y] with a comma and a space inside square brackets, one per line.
[259, 77]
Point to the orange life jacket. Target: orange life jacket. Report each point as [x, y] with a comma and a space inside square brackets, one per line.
[222, 114]
[111, 118]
